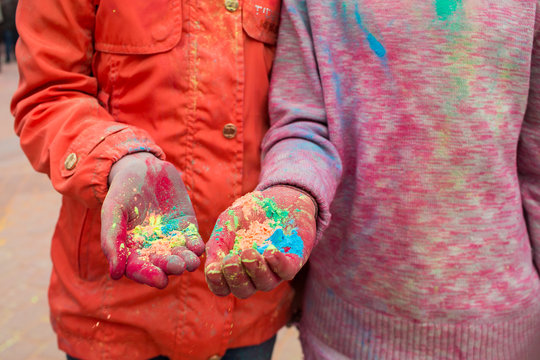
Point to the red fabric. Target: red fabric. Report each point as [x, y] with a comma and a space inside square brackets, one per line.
[164, 77]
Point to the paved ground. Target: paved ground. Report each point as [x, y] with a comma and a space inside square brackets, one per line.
[28, 209]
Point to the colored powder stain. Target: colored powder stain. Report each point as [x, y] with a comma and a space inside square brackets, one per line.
[136, 210]
[235, 219]
[159, 234]
[446, 8]
[272, 210]
[337, 85]
[289, 244]
[175, 211]
[344, 10]
[253, 237]
[277, 229]
[335, 75]
[336, 9]
[374, 44]
[217, 228]
[191, 230]
[170, 226]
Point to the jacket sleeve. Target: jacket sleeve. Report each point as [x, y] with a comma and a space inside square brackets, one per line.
[528, 157]
[297, 150]
[63, 130]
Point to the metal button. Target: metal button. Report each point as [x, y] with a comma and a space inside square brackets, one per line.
[231, 5]
[214, 357]
[229, 131]
[71, 161]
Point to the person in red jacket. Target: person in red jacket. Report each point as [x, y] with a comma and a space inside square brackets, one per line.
[139, 113]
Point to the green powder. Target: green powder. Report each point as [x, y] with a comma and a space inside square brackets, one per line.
[235, 218]
[273, 211]
[446, 8]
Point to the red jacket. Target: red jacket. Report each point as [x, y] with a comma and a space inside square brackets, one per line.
[186, 80]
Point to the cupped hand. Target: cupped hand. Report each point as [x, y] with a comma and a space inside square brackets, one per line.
[262, 239]
[148, 226]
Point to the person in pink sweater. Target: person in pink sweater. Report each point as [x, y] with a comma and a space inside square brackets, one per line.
[416, 125]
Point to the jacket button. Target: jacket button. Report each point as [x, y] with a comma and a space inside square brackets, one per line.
[71, 161]
[231, 5]
[229, 131]
[214, 357]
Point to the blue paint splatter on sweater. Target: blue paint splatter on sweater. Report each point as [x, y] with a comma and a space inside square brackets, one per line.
[374, 44]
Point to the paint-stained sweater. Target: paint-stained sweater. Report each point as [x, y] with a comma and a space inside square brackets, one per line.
[416, 125]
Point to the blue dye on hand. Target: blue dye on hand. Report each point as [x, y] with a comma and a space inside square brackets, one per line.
[170, 226]
[288, 244]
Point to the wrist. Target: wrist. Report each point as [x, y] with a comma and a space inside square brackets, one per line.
[128, 162]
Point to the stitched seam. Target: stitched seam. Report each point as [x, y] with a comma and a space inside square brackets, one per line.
[79, 247]
[239, 91]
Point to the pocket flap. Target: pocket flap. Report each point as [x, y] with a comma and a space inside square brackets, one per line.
[261, 19]
[138, 26]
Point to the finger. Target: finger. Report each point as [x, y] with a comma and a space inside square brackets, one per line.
[145, 272]
[170, 264]
[191, 260]
[113, 238]
[222, 239]
[194, 241]
[195, 244]
[236, 277]
[258, 270]
[215, 279]
[218, 246]
[284, 265]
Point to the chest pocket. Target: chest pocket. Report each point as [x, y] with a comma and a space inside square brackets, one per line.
[137, 26]
[261, 19]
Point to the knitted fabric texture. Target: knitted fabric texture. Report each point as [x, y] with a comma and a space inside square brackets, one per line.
[422, 117]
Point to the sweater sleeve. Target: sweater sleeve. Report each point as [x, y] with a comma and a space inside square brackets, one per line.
[297, 150]
[63, 129]
[528, 157]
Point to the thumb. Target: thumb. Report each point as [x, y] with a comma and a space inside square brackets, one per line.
[217, 248]
[221, 240]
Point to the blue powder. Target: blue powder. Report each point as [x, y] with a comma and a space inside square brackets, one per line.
[170, 226]
[281, 241]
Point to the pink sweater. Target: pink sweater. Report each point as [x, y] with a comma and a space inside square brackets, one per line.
[416, 125]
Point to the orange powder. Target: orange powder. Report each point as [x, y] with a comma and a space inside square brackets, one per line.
[252, 237]
[158, 235]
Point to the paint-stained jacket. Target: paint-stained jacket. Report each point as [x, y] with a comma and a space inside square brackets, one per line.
[186, 80]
